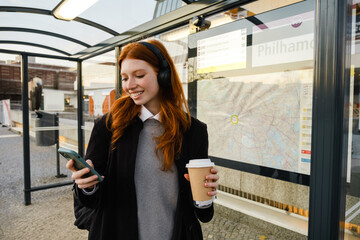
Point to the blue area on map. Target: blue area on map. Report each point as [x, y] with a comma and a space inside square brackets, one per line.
[305, 160]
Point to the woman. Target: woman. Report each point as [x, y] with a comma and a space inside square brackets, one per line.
[141, 148]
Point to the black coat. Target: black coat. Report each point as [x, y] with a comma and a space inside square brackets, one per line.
[115, 200]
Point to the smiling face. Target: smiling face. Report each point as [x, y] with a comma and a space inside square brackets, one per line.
[140, 82]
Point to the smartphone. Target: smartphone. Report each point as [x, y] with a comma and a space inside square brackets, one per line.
[79, 162]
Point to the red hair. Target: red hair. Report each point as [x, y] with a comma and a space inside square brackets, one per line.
[172, 102]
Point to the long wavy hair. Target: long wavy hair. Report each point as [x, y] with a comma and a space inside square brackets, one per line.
[172, 103]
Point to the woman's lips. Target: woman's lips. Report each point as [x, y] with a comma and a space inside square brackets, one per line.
[136, 95]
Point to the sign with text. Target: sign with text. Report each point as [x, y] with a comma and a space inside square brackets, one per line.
[222, 52]
[284, 41]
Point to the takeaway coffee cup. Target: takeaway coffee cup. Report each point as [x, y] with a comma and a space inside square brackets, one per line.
[198, 170]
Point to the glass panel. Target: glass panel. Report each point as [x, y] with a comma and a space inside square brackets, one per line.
[177, 46]
[247, 10]
[42, 4]
[10, 84]
[43, 162]
[82, 32]
[352, 217]
[99, 88]
[52, 117]
[11, 142]
[30, 49]
[120, 15]
[45, 40]
[111, 14]
[251, 82]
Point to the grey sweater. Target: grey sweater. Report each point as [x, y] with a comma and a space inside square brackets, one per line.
[156, 190]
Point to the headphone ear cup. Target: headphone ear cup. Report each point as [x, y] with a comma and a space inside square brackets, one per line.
[164, 78]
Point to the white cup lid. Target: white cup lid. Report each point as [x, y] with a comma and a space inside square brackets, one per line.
[199, 163]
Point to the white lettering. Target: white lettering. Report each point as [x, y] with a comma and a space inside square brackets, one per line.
[286, 50]
[279, 47]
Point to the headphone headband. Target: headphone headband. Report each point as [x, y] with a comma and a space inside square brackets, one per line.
[164, 74]
[156, 51]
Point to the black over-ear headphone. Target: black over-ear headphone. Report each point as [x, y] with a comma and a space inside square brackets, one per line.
[164, 74]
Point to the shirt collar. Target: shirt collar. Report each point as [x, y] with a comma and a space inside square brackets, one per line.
[145, 114]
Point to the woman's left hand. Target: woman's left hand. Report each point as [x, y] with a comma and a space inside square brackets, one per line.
[212, 181]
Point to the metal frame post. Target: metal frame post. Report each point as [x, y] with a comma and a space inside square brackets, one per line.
[58, 175]
[118, 84]
[80, 101]
[57, 145]
[329, 129]
[26, 137]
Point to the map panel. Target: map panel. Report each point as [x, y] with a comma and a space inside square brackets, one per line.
[260, 119]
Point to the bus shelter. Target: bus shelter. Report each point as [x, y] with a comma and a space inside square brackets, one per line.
[277, 83]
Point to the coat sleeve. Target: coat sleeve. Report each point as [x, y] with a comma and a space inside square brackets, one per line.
[201, 151]
[97, 151]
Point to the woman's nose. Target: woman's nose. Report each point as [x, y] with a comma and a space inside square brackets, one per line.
[131, 83]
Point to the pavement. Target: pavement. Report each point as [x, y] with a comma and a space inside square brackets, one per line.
[50, 214]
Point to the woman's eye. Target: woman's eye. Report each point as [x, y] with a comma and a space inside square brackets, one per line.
[140, 76]
[124, 79]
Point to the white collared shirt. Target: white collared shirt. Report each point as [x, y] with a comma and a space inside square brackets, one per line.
[145, 114]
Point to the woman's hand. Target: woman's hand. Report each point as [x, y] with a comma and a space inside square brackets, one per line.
[211, 181]
[82, 183]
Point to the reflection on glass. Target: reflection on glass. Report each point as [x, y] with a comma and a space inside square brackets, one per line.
[50, 83]
[177, 46]
[10, 88]
[251, 82]
[99, 85]
[52, 118]
[53, 101]
[258, 7]
[10, 81]
[238, 13]
[98, 75]
[261, 76]
[352, 214]
[165, 6]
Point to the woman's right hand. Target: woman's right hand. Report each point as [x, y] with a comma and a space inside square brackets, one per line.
[82, 183]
